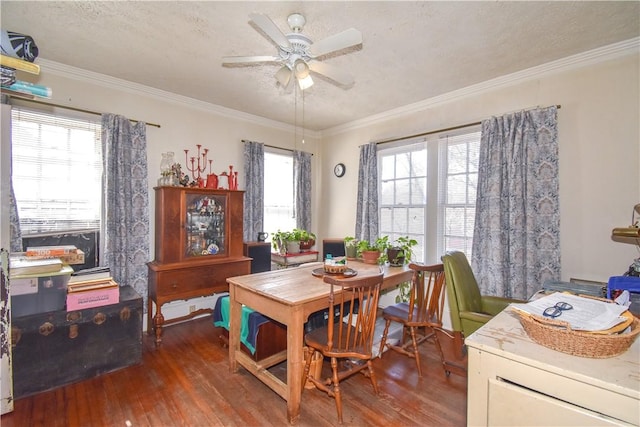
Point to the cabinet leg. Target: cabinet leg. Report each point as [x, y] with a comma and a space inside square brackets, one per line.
[149, 316]
[158, 320]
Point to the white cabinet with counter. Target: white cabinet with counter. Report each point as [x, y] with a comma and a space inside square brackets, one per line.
[514, 381]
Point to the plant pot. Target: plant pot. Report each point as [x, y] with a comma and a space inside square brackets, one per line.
[293, 247]
[306, 245]
[370, 257]
[351, 252]
[395, 257]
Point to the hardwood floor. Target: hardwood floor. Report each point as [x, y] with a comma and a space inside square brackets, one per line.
[186, 382]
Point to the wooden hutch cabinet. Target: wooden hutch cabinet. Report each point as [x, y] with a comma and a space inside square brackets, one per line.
[198, 245]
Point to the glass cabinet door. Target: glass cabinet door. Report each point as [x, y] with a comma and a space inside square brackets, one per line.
[205, 225]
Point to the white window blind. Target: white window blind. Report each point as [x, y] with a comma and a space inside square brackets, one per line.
[458, 184]
[57, 172]
[278, 192]
[403, 194]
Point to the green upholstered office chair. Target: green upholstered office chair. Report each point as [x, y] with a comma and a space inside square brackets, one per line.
[469, 309]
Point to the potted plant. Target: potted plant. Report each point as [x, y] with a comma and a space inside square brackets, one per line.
[351, 247]
[371, 251]
[278, 240]
[292, 242]
[400, 251]
[306, 238]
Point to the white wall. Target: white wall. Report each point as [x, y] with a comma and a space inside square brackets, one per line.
[599, 138]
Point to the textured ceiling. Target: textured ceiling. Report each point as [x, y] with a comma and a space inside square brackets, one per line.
[411, 51]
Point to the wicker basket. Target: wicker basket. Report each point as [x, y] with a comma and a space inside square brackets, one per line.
[335, 269]
[559, 336]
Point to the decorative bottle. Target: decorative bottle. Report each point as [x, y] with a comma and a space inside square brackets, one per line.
[166, 170]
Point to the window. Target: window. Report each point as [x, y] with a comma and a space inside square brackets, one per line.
[278, 194]
[403, 194]
[458, 184]
[427, 192]
[57, 172]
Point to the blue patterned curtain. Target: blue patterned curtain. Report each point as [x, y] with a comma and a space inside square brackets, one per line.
[126, 202]
[15, 234]
[367, 203]
[516, 241]
[302, 189]
[14, 221]
[254, 190]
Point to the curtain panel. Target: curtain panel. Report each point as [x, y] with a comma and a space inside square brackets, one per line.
[254, 190]
[14, 221]
[516, 241]
[367, 202]
[302, 189]
[125, 246]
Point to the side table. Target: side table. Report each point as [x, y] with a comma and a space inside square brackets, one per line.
[291, 260]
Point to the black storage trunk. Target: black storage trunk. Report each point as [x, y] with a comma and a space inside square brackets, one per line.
[59, 347]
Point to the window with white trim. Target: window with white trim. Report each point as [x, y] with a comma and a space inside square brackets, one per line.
[427, 191]
[56, 172]
[278, 191]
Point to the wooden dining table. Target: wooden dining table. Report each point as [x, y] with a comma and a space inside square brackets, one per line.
[288, 296]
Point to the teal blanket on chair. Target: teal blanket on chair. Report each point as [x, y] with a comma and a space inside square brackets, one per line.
[250, 322]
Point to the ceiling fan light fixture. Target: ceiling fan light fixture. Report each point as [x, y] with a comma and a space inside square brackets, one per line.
[296, 22]
[297, 53]
[301, 69]
[284, 76]
[305, 83]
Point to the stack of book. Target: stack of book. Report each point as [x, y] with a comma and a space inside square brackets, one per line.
[91, 288]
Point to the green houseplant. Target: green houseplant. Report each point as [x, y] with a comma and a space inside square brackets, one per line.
[351, 247]
[306, 238]
[371, 251]
[400, 251]
[291, 242]
[278, 241]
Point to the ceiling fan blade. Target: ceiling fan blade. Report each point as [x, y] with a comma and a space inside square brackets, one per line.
[331, 72]
[270, 29]
[343, 40]
[249, 59]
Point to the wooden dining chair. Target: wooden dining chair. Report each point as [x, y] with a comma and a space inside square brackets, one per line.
[349, 337]
[421, 314]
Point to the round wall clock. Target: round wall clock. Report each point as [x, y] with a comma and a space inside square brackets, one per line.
[339, 170]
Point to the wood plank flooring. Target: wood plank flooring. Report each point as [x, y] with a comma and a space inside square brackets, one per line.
[186, 382]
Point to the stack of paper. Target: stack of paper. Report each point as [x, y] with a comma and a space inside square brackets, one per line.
[587, 314]
[22, 265]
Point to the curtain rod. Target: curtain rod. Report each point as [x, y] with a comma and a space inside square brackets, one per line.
[277, 148]
[386, 141]
[81, 110]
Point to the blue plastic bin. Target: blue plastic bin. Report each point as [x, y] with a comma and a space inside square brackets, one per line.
[629, 283]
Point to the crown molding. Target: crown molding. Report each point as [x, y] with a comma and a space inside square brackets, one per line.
[602, 54]
[594, 56]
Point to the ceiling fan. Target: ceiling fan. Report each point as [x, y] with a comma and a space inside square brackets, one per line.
[298, 54]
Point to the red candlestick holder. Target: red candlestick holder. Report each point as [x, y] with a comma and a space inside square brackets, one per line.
[199, 166]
